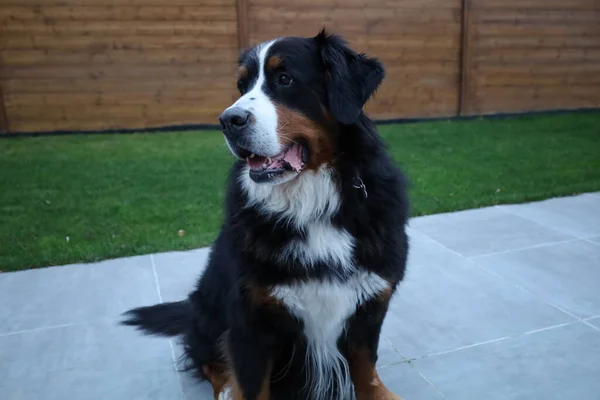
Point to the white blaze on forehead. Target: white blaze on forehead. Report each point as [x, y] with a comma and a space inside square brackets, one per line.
[263, 136]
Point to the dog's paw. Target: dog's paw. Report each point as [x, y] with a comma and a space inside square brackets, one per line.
[226, 394]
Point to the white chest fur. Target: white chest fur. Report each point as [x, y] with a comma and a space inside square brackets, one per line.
[324, 308]
[324, 243]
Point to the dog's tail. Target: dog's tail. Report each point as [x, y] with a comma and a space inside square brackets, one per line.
[166, 319]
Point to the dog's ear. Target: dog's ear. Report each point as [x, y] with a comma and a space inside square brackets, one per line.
[351, 78]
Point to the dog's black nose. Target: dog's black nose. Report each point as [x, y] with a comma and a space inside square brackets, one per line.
[234, 119]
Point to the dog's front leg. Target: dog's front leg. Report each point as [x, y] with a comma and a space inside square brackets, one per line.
[249, 354]
[362, 346]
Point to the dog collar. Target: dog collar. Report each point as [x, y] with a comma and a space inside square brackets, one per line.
[357, 183]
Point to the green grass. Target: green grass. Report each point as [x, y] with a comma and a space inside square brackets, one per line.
[120, 195]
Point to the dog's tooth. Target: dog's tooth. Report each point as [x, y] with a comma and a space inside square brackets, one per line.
[252, 155]
[268, 161]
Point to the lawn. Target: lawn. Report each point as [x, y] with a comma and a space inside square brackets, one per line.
[68, 199]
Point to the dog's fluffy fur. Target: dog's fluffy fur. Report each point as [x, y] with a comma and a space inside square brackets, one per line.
[311, 250]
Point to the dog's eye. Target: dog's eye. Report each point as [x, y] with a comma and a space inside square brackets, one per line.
[284, 79]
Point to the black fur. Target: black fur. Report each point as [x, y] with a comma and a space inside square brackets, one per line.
[246, 252]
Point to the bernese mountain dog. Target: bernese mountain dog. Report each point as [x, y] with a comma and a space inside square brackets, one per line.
[313, 242]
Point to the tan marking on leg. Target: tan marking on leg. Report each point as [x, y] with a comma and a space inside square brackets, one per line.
[367, 384]
[217, 378]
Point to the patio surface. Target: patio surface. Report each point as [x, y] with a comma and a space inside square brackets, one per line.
[498, 303]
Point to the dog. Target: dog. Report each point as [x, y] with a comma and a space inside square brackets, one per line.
[313, 243]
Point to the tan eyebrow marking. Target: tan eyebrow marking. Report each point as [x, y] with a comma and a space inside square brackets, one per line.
[273, 62]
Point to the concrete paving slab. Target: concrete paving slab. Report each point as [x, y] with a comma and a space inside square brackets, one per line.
[177, 272]
[564, 274]
[92, 361]
[441, 307]
[478, 316]
[405, 381]
[486, 230]
[594, 321]
[74, 293]
[554, 364]
[576, 215]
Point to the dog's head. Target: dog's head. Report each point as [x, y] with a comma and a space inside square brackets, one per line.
[295, 94]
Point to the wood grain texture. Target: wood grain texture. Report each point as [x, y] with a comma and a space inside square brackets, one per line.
[164, 12]
[110, 64]
[417, 41]
[465, 56]
[113, 64]
[3, 116]
[242, 24]
[533, 55]
[119, 28]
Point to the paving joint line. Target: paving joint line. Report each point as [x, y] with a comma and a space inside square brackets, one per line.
[535, 246]
[414, 368]
[43, 328]
[581, 320]
[501, 339]
[173, 357]
[472, 261]
[409, 362]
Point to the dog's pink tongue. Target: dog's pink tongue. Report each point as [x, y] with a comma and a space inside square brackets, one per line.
[294, 157]
[256, 162]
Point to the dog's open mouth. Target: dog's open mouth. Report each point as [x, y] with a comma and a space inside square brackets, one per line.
[263, 169]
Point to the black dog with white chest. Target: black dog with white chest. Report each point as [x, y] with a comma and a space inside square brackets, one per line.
[313, 243]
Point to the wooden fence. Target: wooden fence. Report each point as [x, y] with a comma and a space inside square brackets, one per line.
[127, 64]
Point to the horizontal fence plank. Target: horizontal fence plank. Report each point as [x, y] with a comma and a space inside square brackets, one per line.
[209, 71]
[74, 112]
[518, 42]
[517, 101]
[544, 92]
[421, 4]
[45, 57]
[161, 28]
[261, 31]
[103, 3]
[50, 85]
[538, 30]
[111, 42]
[401, 96]
[417, 55]
[411, 81]
[113, 124]
[537, 4]
[536, 79]
[556, 67]
[426, 109]
[387, 43]
[437, 68]
[507, 55]
[119, 13]
[199, 98]
[545, 17]
[350, 16]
